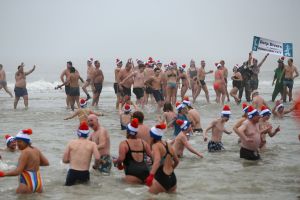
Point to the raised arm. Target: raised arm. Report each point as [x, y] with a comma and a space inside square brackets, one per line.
[263, 60]
[29, 72]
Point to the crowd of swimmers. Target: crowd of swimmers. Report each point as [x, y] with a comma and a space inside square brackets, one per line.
[144, 155]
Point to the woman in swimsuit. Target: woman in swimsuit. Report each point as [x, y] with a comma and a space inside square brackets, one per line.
[172, 79]
[132, 152]
[219, 84]
[236, 84]
[192, 75]
[162, 177]
[184, 81]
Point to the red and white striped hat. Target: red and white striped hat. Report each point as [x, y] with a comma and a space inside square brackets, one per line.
[83, 103]
[132, 127]
[83, 130]
[226, 111]
[9, 139]
[264, 111]
[157, 131]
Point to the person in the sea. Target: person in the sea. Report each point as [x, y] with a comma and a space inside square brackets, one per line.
[168, 115]
[3, 82]
[79, 154]
[182, 115]
[20, 86]
[257, 100]
[11, 143]
[278, 79]
[162, 177]
[250, 136]
[218, 127]
[28, 167]
[193, 115]
[101, 137]
[279, 111]
[241, 120]
[132, 153]
[83, 112]
[265, 127]
[182, 139]
[125, 116]
[143, 129]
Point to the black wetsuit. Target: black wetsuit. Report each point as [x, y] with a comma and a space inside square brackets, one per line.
[135, 168]
[167, 181]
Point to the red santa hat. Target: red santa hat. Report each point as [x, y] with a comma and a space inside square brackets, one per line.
[83, 103]
[184, 124]
[127, 108]
[245, 107]
[186, 101]
[179, 106]
[281, 59]
[132, 127]
[182, 67]
[226, 111]
[264, 111]
[83, 130]
[157, 131]
[118, 61]
[252, 112]
[9, 139]
[24, 135]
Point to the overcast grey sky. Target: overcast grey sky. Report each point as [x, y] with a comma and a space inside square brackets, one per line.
[48, 33]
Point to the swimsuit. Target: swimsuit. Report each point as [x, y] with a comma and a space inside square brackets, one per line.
[249, 154]
[76, 176]
[158, 95]
[172, 85]
[105, 165]
[74, 92]
[236, 83]
[116, 88]
[148, 90]
[135, 168]
[165, 180]
[215, 146]
[32, 179]
[139, 92]
[288, 83]
[126, 91]
[67, 89]
[193, 73]
[202, 82]
[20, 92]
[98, 87]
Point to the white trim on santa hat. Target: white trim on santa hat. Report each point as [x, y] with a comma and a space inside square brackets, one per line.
[9, 139]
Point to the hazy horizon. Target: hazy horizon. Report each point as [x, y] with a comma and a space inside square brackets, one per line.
[49, 33]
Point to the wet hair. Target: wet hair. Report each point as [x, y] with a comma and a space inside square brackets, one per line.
[167, 107]
[139, 115]
[19, 67]
[70, 63]
[72, 69]
[291, 60]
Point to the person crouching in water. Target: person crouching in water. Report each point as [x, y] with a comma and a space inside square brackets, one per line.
[29, 164]
[132, 152]
[217, 126]
[265, 127]
[182, 139]
[125, 116]
[79, 154]
[162, 177]
[11, 144]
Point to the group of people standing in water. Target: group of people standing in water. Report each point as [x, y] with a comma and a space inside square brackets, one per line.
[144, 155]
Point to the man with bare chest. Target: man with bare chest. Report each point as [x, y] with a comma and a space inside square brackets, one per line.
[155, 83]
[97, 81]
[288, 81]
[102, 139]
[20, 86]
[90, 73]
[125, 87]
